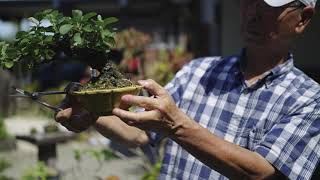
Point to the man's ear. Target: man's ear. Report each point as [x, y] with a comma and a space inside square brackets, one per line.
[306, 15]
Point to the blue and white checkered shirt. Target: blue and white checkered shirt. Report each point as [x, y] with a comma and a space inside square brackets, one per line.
[277, 117]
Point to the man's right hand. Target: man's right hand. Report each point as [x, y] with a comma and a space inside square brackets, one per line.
[73, 116]
[75, 119]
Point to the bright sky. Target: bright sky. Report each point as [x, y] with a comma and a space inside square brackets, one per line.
[9, 29]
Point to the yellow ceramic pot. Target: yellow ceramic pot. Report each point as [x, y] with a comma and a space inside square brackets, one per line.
[101, 102]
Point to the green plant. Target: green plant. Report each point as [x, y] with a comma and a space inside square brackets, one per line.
[100, 155]
[153, 173]
[33, 131]
[39, 171]
[4, 165]
[110, 78]
[3, 132]
[77, 36]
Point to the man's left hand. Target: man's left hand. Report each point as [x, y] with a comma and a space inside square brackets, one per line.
[161, 115]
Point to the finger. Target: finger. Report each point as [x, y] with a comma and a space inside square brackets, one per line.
[68, 126]
[74, 102]
[146, 102]
[76, 123]
[63, 115]
[136, 118]
[152, 87]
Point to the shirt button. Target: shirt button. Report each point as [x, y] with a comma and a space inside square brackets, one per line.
[245, 91]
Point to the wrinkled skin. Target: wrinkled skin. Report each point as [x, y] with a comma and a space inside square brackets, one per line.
[161, 113]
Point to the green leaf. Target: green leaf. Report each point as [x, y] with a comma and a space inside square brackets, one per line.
[21, 34]
[4, 164]
[95, 154]
[63, 20]
[43, 14]
[110, 20]
[24, 51]
[65, 28]
[8, 64]
[77, 154]
[36, 52]
[88, 28]
[49, 54]
[4, 46]
[24, 41]
[110, 42]
[37, 58]
[11, 53]
[77, 14]
[77, 39]
[47, 11]
[105, 33]
[108, 155]
[87, 16]
[48, 39]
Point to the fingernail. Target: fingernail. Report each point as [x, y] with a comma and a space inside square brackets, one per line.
[115, 110]
[125, 98]
[142, 82]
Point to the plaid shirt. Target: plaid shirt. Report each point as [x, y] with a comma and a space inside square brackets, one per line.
[277, 117]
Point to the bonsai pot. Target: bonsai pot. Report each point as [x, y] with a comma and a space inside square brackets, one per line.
[102, 102]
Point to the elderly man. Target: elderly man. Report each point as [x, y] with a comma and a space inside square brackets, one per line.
[252, 116]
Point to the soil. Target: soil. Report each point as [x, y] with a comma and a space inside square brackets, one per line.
[110, 78]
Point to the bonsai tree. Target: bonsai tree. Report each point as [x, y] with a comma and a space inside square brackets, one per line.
[85, 37]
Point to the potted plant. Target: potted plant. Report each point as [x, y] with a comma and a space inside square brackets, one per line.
[85, 37]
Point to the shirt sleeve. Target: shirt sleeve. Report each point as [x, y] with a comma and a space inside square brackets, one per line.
[293, 144]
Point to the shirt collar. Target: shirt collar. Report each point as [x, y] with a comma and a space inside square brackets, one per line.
[269, 75]
[284, 67]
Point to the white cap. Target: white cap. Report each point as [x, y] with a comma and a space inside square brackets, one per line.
[278, 3]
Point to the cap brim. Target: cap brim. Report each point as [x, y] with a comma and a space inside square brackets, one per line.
[277, 3]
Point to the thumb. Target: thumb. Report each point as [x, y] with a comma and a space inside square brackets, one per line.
[63, 115]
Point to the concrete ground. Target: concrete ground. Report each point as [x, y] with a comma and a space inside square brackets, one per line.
[25, 156]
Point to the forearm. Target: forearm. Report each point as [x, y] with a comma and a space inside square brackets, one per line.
[229, 159]
[115, 129]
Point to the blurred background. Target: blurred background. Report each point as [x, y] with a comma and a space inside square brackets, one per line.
[154, 40]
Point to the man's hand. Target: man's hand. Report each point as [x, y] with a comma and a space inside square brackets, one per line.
[75, 120]
[73, 117]
[161, 113]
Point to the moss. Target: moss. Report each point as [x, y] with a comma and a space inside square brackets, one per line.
[110, 78]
